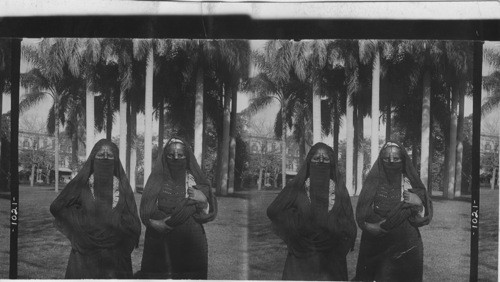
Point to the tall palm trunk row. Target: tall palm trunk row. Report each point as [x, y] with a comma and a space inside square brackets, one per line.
[284, 72]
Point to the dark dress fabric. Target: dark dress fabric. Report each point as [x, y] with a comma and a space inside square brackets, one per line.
[397, 255]
[318, 240]
[181, 253]
[102, 238]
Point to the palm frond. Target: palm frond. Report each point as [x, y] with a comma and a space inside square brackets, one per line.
[257, 104]
[491, 103]
[142, 48]
[30, 100]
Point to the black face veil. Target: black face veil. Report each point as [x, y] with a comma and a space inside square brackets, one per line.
[161, 176]
[78, 213]
[379, 176]
[336, 229]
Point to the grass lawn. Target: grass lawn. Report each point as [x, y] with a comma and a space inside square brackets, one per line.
[446, 241]
[4, 236]
[488, 235]
[243, 246]
[43, 251]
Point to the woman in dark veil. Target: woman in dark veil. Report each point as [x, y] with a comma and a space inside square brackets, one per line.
[177, 200]
[391, 206]
[313, 215]
[97, 213]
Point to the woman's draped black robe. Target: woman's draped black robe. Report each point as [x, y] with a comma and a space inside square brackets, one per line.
[397, 255]
[101, 244]
[316, 251]
[181, 253]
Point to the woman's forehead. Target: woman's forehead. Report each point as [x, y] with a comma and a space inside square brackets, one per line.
[105, 147]
[391, 150]
[321, 150]
[175, 146]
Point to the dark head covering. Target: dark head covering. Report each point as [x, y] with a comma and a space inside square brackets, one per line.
[297, 226]
[81, 217]
[377, 180]
[161, 178]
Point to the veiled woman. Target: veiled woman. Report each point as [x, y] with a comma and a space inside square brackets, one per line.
[97, 213]
[391, 206]
[177, 200]
[313, 215]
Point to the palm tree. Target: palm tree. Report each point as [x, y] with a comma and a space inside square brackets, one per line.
[90, 54]
[232, 57]
[55, 67]
[353, 76]
[370, 53]
[459, 55]
[5, 66]
[144, 49]
[279, 68]
[491, 83]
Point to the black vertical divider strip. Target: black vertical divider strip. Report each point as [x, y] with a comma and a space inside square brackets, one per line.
[14, 174]
[476, 136]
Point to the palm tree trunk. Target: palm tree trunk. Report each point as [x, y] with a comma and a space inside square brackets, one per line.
[232, 143]
[74, 149]
[204, 142]
[74, 142]
[349, 148]
[431, 159]
[355, 150]
[302, 146]
[493, 178]
[275, 178]
[360, 161]
[198, 116]
[220, 117]
[453, 145]
[446, 134]
[259, 180]
[161, 125]
[388, 121]
[316, 102]
[128, 142]
[336, 127]
[426, 127]
[133, 150]
[375, 108]
[414, 152]
[460, 137]
[283, 143]
[56, 139]
[123, 130]
[90, 124]
[148, 117]
[32, 178]
[109, 119]
[225, 140]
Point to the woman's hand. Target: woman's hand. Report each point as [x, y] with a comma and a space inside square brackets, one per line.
[375, 229]
[160, 225]
[197, 195]
[412, 198]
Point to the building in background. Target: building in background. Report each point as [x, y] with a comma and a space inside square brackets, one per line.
[265, 157]
[36, 157]
[489, 146]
